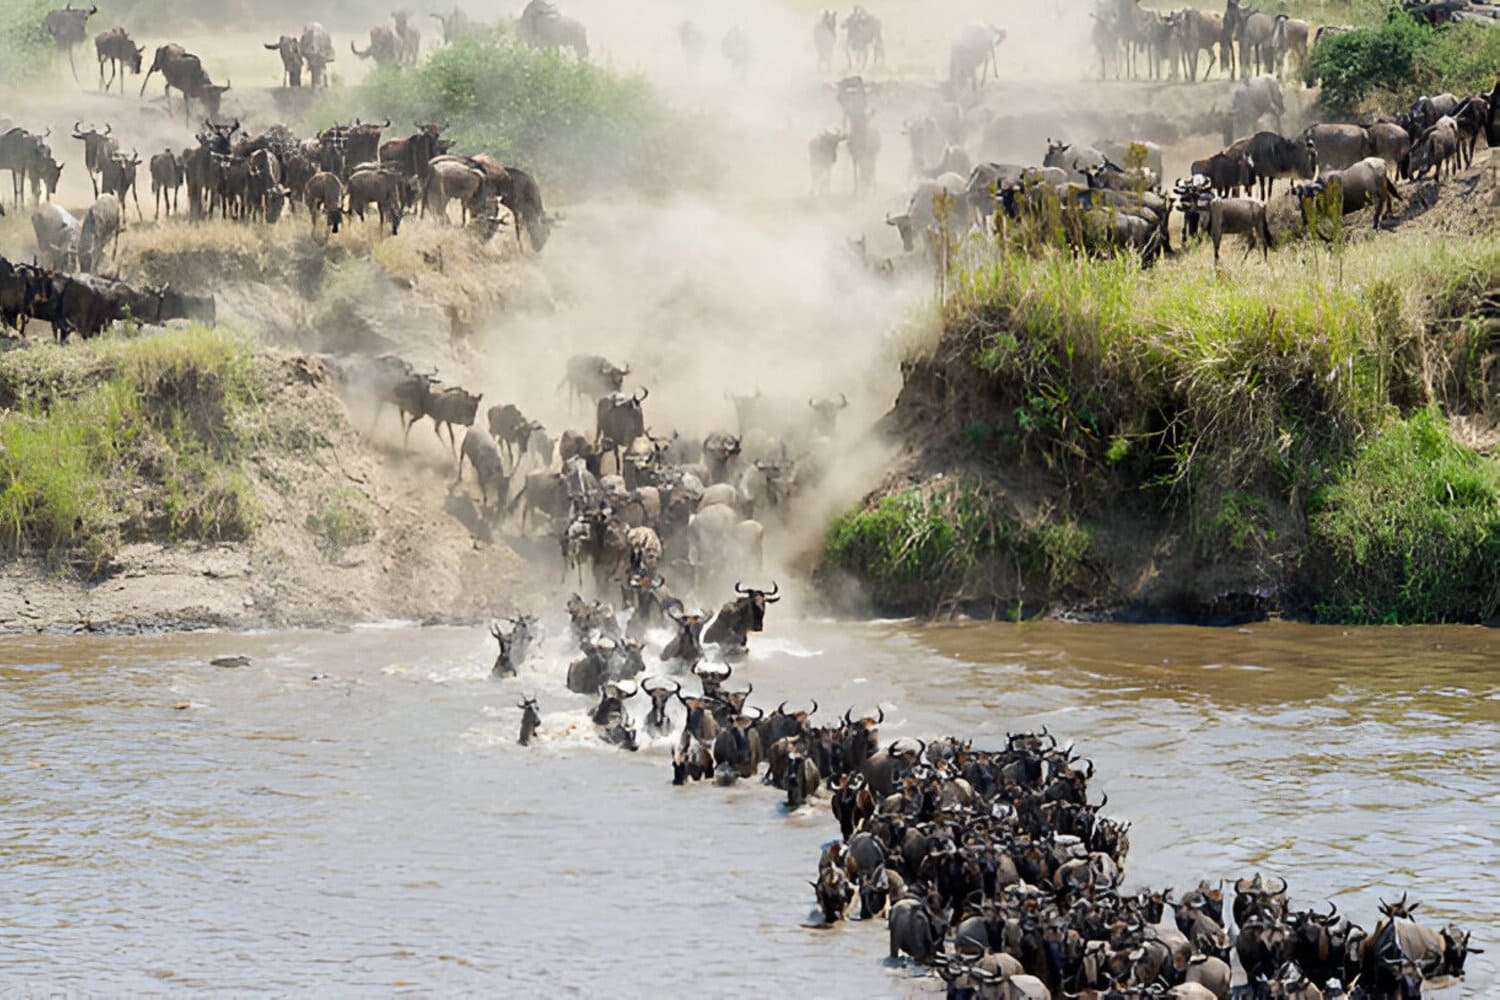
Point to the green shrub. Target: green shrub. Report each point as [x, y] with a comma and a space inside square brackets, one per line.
[571, 123]
[26, 52]
[1409, 531]
[1402, 59]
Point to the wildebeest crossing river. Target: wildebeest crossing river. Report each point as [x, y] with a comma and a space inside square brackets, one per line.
[353, 808]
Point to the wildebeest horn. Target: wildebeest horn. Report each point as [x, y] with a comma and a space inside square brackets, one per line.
[1282, 890]
[387, 123]
[1333, 909]
[814, 709]
[775, 589]
[739, 588]
[813, 403]
[843, 401]
[78, 127]
[879, 715]
[781, 709]
[108, 128]
[640, 397]
[847, 712]
[495, 630]
[635, 691]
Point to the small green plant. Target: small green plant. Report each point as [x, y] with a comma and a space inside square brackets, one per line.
[26, 52]
[342, 522]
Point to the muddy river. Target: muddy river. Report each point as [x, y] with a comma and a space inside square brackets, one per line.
[350, 814]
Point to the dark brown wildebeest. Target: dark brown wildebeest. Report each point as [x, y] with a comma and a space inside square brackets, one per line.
[408, 39]
[383, 47]
[383, 188]
[117, 177]
[449, 408]
[362, 144]
[1363, 184]
[116, 48]
[687, 644]
[738, 618]
[296, 170]
[67, 28]
[317, 52]
[619, 420]
[412, 155]
[290, 50]
[98, 147]
[454, 25]
[531, 721]
[324, 196]
[17, 150]
[43, 169]
[518, 191]
[266, 195]
[509, 427]
[1243, 216]
[1272, 156]
[184, 71]
[592, 377]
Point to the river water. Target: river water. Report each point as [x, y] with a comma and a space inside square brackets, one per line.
[349, 814]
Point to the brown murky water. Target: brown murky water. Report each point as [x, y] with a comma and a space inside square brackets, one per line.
[350, 814]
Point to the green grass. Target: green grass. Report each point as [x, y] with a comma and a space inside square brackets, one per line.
[1217, 401]
[121, 439]
[1409, 531]
[572, 124]
[954, 541]
[1388, 64]
[341, 522]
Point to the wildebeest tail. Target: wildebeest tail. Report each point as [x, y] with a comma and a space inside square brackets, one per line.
[1389, 187]
[1265, 228]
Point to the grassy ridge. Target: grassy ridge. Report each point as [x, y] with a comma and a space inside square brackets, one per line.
[1266, 409]
[115, 440]
[25, 50]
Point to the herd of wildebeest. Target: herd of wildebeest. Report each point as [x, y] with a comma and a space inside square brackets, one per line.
[991, 867]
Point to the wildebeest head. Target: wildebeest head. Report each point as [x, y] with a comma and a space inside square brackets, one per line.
[905, 228]
[751, 605]
[688, 642]
[834, 893]
[504, 666]
[827, 412]
[735, 700]
[531, 720]
[713, 679]
[656, 719]
[1456, 950]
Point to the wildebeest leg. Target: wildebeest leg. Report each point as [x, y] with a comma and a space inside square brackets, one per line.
[135, 198]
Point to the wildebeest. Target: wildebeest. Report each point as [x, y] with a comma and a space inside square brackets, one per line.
[686, 645]
[67, 28]
[735, 46]
[825, 34]
[542, 27]
[518, 191]
[482, 452]
[57, 234]
[383, 47]
[916, 930]
[1392, 144]
[116, 48]
[1198, 31]
[118, 177]
[101, 225]
[1339, 145]
[166, 180]
[826, 413]
[451, 177]
[324, 196]
[619, 421]
[449, 408]
[383, 188]
[1253, 99]
[184, 71]
[454, 24]
[1243, 216]
[1438, 146]
[290, 50]
[864, 41]
[864, 148]
[1272, 156]
[591, 377]
[531, 721]
[972, 56]
[1363, 184]
[510, 428]
[738, 618]
[412, 155]
[922, 214]
[317, 52]
[408, 39]
[98, 147]
[822, 154]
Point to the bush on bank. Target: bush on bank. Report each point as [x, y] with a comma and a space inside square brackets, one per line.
[1222, 402]
[26, 52]
[571, 123]
[121, 439]
[1393, 63]
[1409, 531]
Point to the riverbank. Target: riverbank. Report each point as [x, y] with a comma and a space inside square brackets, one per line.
[1312, 437]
